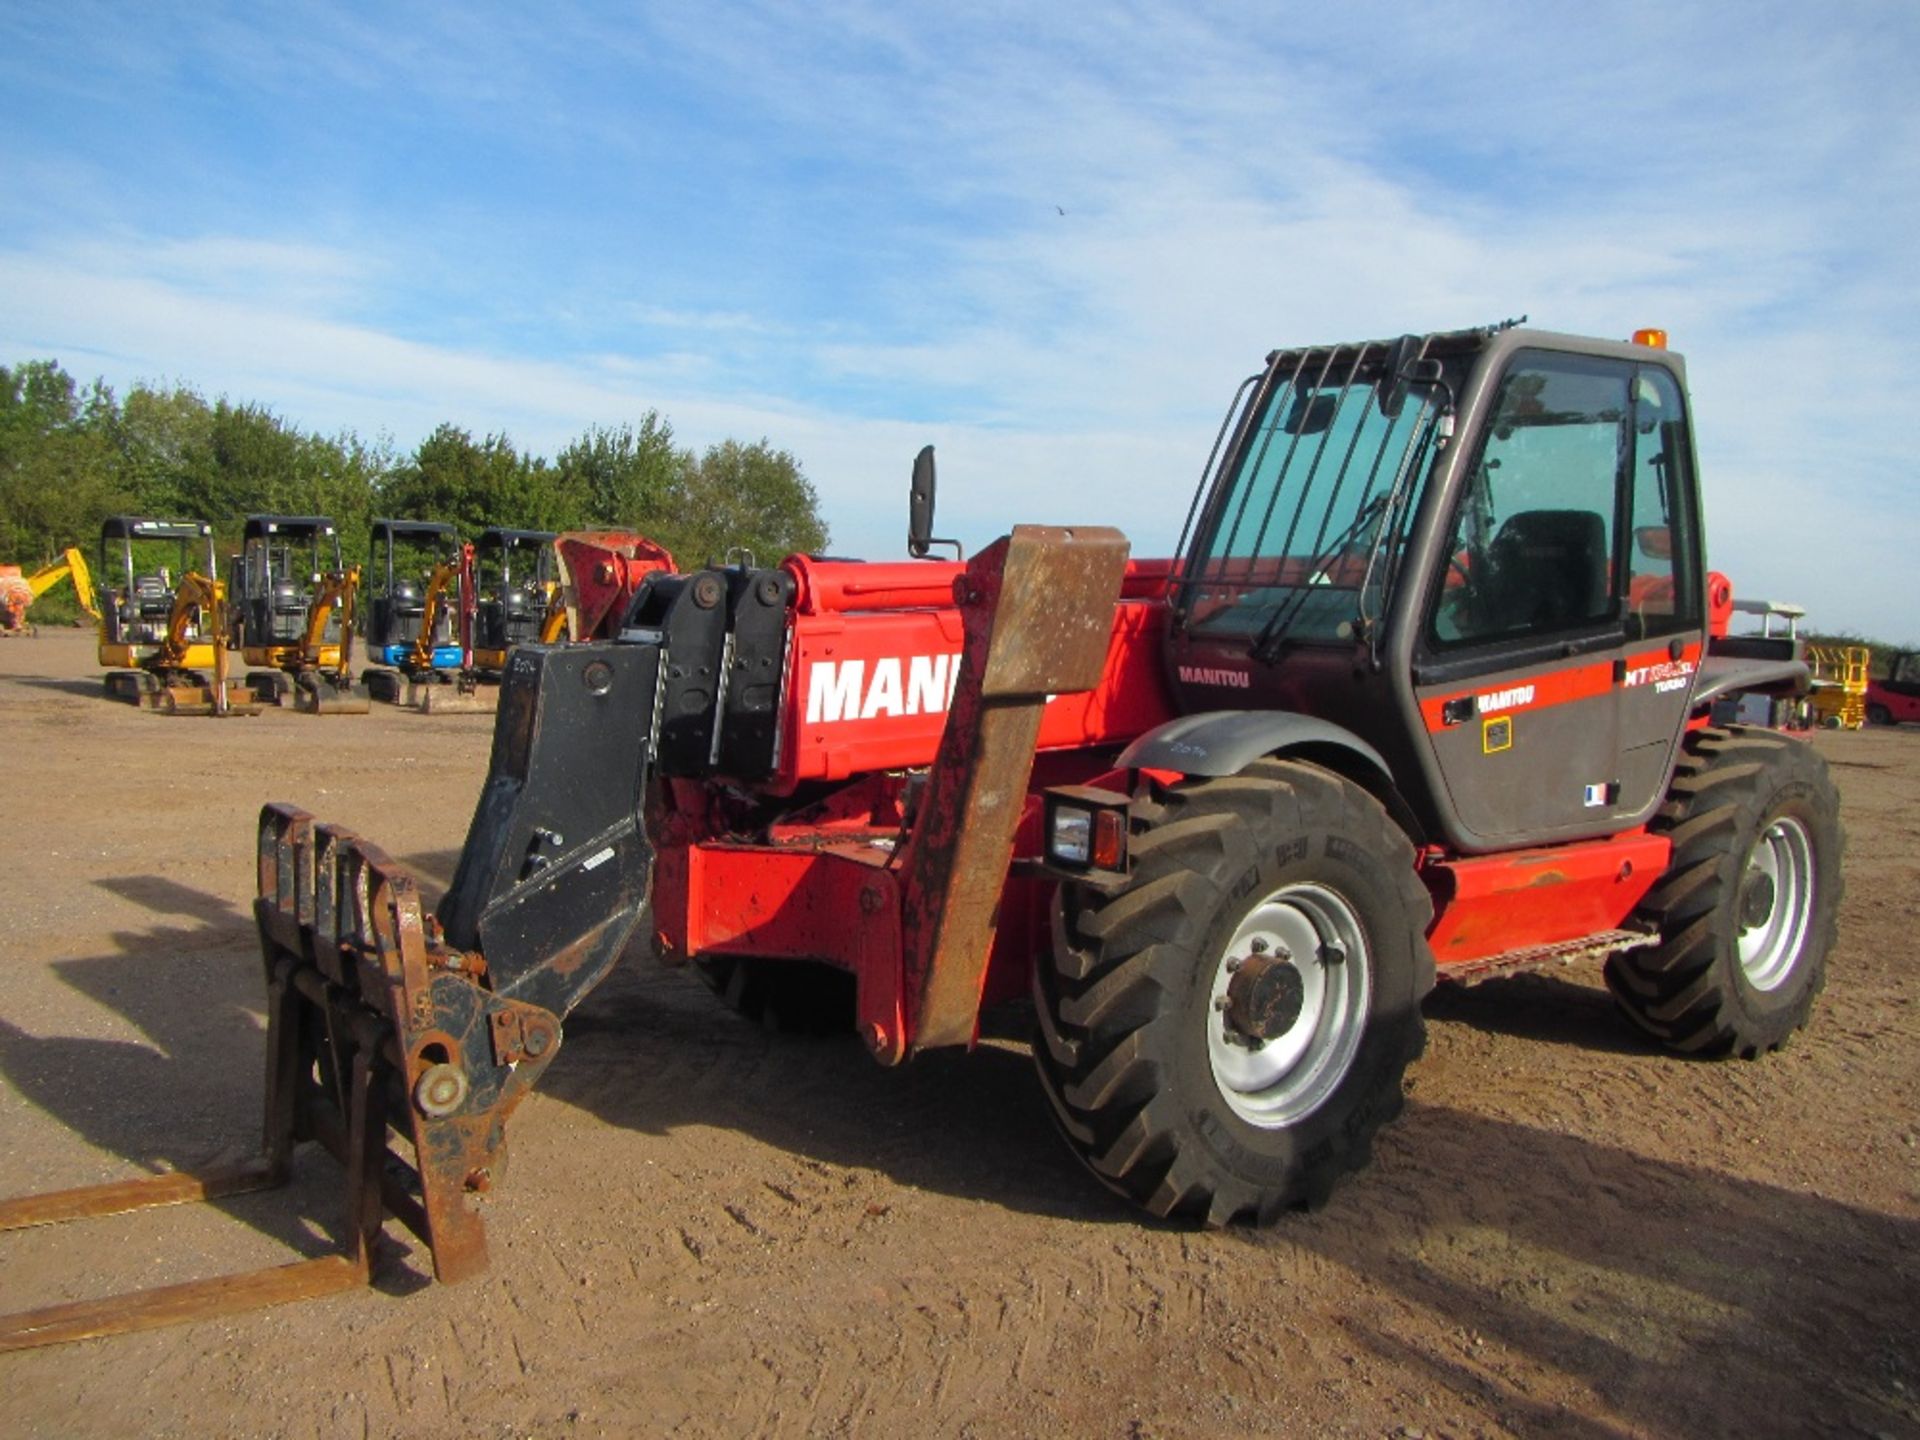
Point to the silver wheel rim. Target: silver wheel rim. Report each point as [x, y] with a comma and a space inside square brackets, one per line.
[1769, 947]
[1291, 1075]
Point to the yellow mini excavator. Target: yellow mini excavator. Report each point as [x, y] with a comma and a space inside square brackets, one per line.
[18, 591]
[295, 597]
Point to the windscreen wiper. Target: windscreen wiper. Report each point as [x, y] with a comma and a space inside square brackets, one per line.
[1266, 645]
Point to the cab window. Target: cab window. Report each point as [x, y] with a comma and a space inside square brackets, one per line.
[1575, 515]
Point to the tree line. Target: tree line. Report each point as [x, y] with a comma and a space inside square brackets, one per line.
[71, 455]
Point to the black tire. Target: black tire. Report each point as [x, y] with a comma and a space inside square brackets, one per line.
[1879, 715]
[798, 997]
[1747, 910]
[1131, 1048]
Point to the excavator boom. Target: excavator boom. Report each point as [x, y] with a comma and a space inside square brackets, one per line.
[18, 592]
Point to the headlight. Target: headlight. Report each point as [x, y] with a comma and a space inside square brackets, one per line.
[1086, 828]
[1070, 840]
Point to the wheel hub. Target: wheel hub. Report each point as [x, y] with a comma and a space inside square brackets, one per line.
[1774, 907]
[1264, 998]
[1288, 1004]
[1756, 899]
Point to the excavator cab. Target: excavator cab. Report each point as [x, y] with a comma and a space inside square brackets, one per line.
[407, 616]
[297, 613]
[514, 581]
[143, 562]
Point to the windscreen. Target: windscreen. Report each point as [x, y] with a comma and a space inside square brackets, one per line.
[1302, 535]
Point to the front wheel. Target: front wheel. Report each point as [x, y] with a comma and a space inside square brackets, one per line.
[1222, 1039]
[1879, 715]
[1747, 910]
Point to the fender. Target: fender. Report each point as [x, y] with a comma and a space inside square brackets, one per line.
[1724, 674]
[1225, 742]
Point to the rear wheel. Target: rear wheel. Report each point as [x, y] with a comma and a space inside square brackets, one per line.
[1746, 911]
[1879, 715]
[1222, 1039]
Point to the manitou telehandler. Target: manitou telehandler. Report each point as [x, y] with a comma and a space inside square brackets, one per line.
[295, 600]
[1424, 693]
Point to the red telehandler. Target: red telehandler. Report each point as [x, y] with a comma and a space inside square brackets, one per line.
[1425, 693]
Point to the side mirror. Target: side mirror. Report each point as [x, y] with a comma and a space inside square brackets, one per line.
[1393, 389]
[1404, 369]
[920, 536]
[920, 505]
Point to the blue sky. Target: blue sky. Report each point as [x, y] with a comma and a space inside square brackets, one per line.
[839, 225]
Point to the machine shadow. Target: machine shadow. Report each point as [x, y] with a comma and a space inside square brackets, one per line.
[652, 1050]
[169, 897]
[1549, 1008]
[93, 689]
[190, 1090]
[1688, 1300]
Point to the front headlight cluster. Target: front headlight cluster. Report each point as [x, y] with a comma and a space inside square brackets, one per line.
[1086, 828]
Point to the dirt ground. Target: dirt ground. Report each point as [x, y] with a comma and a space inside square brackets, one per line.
[709, 1230]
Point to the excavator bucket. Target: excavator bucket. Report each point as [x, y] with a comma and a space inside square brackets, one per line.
[315, 693]
[455, 698]
[429, 694]
[180, 691]
[189, 698]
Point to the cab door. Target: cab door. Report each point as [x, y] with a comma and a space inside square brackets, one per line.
[1560, 640]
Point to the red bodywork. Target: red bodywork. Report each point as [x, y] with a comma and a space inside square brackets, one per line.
[872, 659]
[1902, 709]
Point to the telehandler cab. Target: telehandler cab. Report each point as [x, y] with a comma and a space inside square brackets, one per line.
[1424, 694]
[295, 600]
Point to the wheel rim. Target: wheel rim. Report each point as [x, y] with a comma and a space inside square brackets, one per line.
[1776, 893]
[1291, 1074]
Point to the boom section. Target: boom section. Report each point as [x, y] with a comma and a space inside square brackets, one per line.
[873, 657]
